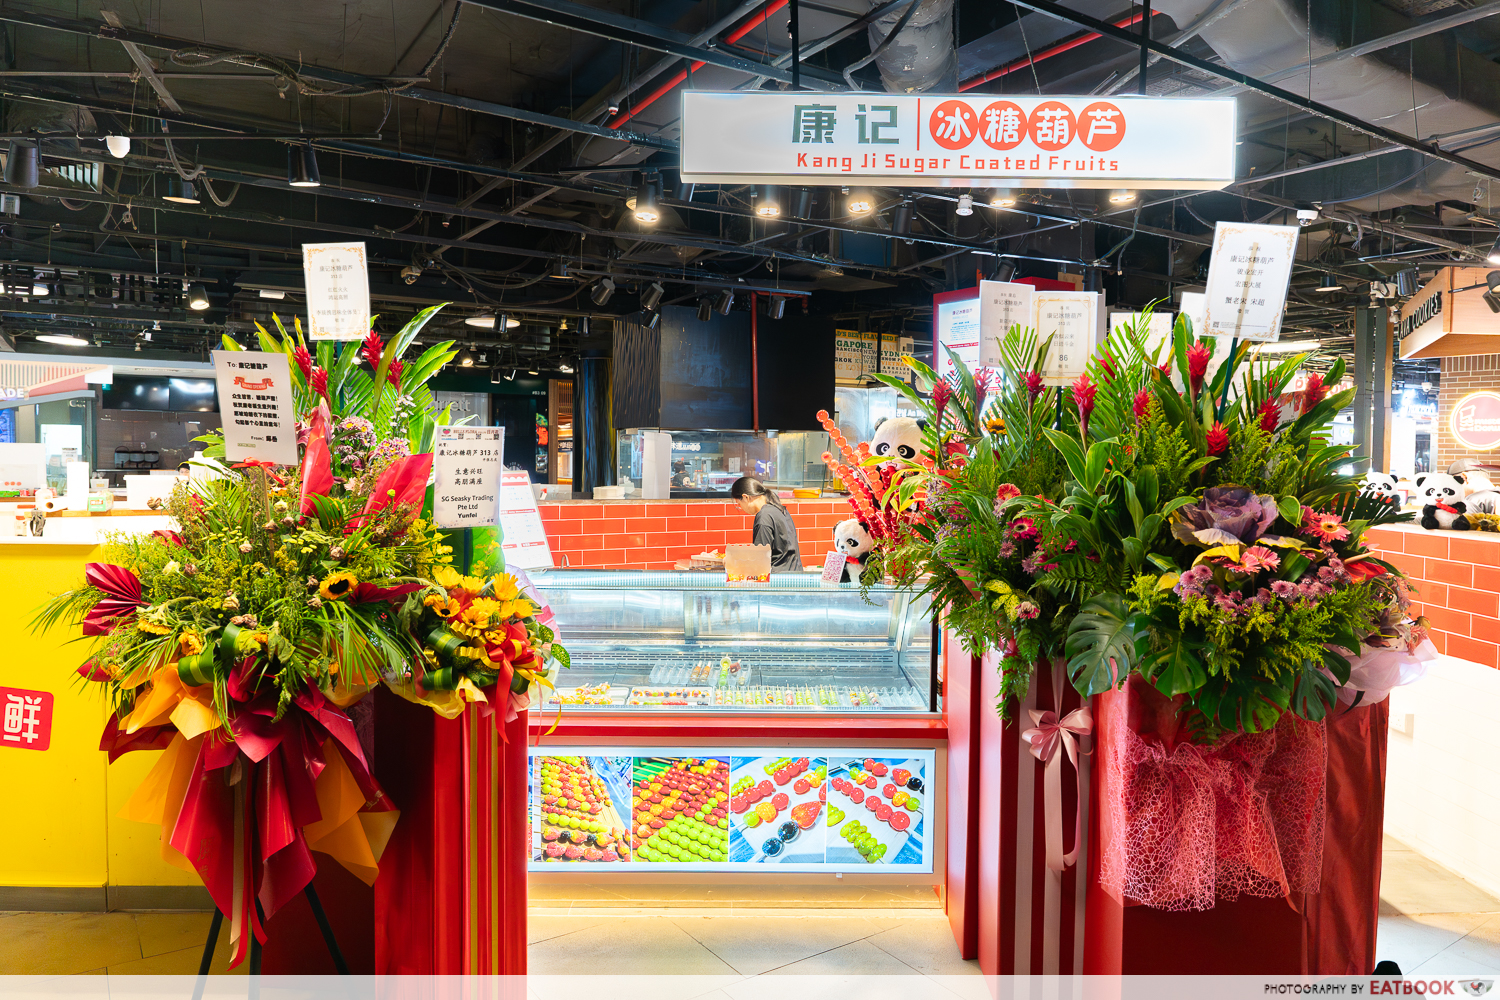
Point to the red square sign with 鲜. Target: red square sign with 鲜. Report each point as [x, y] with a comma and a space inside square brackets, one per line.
[25, 719]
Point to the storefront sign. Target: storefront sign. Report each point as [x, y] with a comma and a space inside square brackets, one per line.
[338, 291]
[1247, 280]
[1419, 314]
[255, 399]
[1072, 320]
[467, 462]
[955, 325]
[769, 811]
[26, 722]
[1475, 421]
[1002, 305]
[524, 540]
[859, 353]
[934, 140]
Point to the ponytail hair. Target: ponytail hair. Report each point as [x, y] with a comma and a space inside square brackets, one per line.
[749, 486]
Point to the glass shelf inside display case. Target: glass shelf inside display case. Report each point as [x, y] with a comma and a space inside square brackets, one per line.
[693, 642]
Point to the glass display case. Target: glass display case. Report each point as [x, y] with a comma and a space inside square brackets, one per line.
[648, 641]
[706, 463]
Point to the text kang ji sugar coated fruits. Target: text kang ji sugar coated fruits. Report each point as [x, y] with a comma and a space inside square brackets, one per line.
[681, 814]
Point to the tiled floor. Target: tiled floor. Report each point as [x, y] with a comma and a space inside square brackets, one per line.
[1432, 921]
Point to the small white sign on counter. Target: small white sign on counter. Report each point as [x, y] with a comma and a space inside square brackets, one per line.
[1247, 280]
[338, 291]
[467, 463]
[1073, 321]
[1002, 305]
[255, 399]
[525, 542]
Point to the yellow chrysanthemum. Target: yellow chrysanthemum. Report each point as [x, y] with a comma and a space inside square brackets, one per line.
[446, 577]
[337, 585]
[506, 587]
[480, 612]
[442, 604]
[518, 608]
[191, 642]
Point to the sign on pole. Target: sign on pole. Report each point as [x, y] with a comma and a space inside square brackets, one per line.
[1247, 280]
[955, 327]
[338, 291]
[524, 541]
[255, 400]
[1073, 321]
[467, 463]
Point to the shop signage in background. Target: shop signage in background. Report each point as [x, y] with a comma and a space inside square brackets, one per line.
[1002, 305]
[1419, 314]
[1475, 421]
[523, 539]
[859, 353]
[1074, 320]
[955, 327]
[935, 140]
[740, 809]
[26, 722]
[467, 462]
[1248, 276]
[338, 291]
[255, 400]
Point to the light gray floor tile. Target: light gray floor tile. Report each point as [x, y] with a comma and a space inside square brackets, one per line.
[627, 946]
[545, 926]
[861, 958]
[835, 984]
[926, 945]
[1412, 884]
[753, 945]
[1410, 941]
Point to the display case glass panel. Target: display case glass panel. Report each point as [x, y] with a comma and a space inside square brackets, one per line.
[706, 463]
[691, 641]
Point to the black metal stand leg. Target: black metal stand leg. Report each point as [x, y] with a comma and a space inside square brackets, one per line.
[328, 938]
[208, 953]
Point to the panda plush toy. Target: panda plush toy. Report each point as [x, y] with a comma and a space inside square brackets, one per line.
[897, 439]
[854, 542]
[1441, 498]
[1381, 486]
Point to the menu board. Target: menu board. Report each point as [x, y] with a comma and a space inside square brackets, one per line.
[255, 398]
[524, 540]
[467, 462]
[1071, 319]
[338, 291]
[733, 809]
[955, 324]
[1002, 305]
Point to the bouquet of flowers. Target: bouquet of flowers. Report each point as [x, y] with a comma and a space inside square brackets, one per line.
[237, 640]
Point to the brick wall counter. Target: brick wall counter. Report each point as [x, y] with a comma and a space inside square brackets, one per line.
[1457, 580]
[655, 534]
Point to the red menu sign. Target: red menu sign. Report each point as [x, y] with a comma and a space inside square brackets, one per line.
[25, 719]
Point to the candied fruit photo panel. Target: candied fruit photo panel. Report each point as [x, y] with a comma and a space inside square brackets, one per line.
[876, 811]
[579, 806]
[679, 810]
[775, 807]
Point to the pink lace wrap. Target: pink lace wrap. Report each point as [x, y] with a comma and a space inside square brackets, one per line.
[1184, 824]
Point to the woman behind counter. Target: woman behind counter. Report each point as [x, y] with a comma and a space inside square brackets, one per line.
[773, 525]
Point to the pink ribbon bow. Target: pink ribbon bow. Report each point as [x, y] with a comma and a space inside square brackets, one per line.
[1048, 734]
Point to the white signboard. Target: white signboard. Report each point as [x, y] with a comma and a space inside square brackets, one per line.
[975, 140]
[1158, 328]
[1072, 319]
[1002, 305]
[255, 400]
[956, 327]
[525, 540]
[1247, 280]
[338, 291]
[467, 462]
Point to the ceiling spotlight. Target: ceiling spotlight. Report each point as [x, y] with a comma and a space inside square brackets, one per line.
[767, 201]
[1121, 196]
[802, 203]
[653, 320]
[118, 146]
[860, 203]
[1493, 256]
[1406, 282]
[465, 358]
[62, 339]
[507, 322]
[1426, 386]
[302, 166]
[1328, 284]
[724, 301]
[410, 273]
[705, 309]
[651, 297]
[776, 306]
[533, 373]
[181, 192]
[602, 291]
[1492, 293]
[901, 221]
[965, 204]
[646, 211]
[197, 297]
[22, 165]
[1005, 271]
[565, 368]
[272, 293]
[484, 320]
[1002, 198]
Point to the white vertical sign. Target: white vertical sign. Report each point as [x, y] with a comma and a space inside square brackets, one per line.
[1002, 305]
[525, 540]
[957, 329]
[338, 291]
[1072, 320]
[1247, 280]
[467, 462]
[255, 401]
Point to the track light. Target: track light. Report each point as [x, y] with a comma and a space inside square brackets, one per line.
[705, 309]
[1005, 271]
[802, 203]
[1121, 196]
[965, 204]
[180, 192]
[197, 297]
[776, 306]
[62, 339]
[272, 293]
[767, 201]
[1492, 293]
[1493, 257]
[484, 320]
[118, 146]
[653, 320]
[1328, 284]
[1002, 198]
[1406, 282]
[724, 302]
[565, 368]
[23, 164]
[860, 203]
[302, 166]
[603, 290]
[901, 221]
[465, 358]
[651, 297]
[533, 372]
[646, 210]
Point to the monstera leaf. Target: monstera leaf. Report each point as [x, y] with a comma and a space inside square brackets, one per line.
[1104, 642]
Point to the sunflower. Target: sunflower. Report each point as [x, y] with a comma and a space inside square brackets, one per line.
[191, 642]
[480, 612]
[337, 585]
[154, 628]
[446, 577]
[505, 586]
[995, 425]
[441, 604]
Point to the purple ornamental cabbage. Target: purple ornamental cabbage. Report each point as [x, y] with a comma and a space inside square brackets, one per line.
[1227, 515]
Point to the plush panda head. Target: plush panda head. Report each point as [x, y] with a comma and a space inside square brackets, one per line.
[1439, 487]
[851, 538]
[1381, 485]
[897, 439]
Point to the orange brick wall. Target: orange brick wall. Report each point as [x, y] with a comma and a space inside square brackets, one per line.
[657, 534]
[1457, 579]
[1462, 376]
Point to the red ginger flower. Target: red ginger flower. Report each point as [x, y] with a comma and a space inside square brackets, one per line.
[1107, 365]
[981, 390]
[942, 393]
[1142, 405]
[393, 373]
[1084, 391]
[1270, 415]
[1033, 384]
[1218, 439]
[318, 382]
[1198, 357]
[372, 349]
[1315, 391]
[303, 359]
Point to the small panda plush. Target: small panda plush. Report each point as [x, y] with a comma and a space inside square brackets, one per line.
[854, 541]
[897, 439]
[1441, 499]
[1380, 485]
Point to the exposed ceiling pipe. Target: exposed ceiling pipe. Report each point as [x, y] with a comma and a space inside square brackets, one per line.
[1047, 53]
[921, 58]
